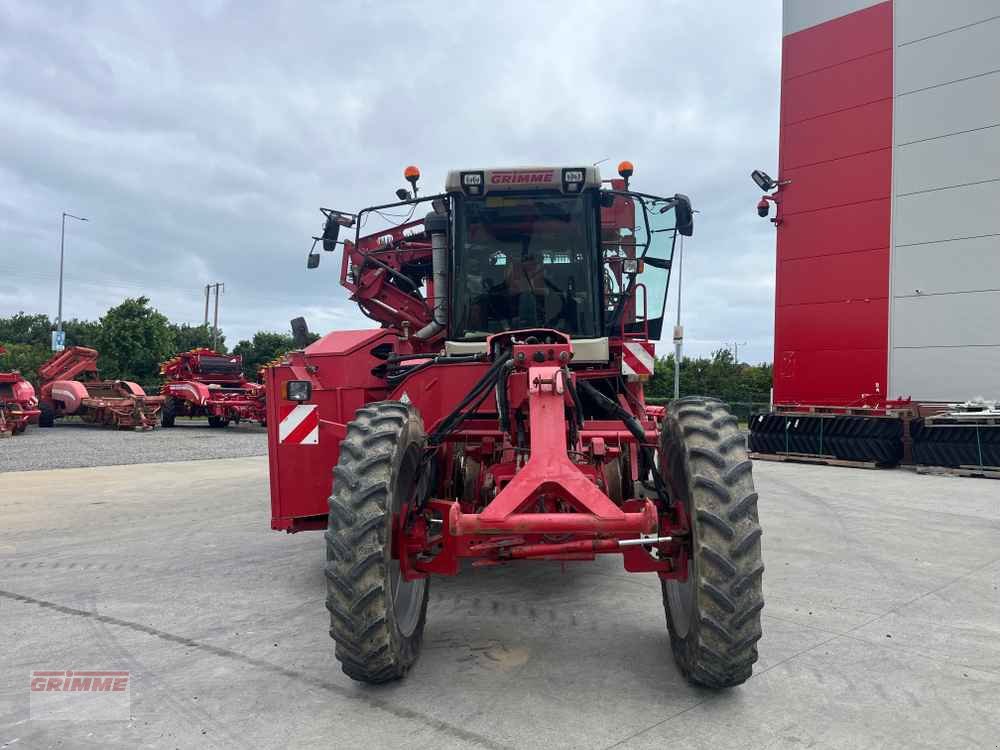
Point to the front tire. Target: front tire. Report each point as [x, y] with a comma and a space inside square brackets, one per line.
[376, 618]
[47, 418]
[714, 616]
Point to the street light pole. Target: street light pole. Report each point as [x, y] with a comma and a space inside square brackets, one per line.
[62, 253]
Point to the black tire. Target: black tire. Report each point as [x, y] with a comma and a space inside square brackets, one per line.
[168, 413]
[376, 618]
[21, 427]
[714, 616]
[47, 418]
[217, 422]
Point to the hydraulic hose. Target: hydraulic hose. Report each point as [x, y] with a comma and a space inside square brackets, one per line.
[635, 427]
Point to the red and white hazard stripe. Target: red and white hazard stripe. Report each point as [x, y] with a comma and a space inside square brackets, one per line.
[638, 358]
[299, 424]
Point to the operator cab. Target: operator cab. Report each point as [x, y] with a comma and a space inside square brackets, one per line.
[546, 247]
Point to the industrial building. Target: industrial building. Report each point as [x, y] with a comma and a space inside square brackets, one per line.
[888, 211]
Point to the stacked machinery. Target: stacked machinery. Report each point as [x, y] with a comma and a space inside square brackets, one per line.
[204, 383]
[497, 414]
[18, 404]
[72, 386]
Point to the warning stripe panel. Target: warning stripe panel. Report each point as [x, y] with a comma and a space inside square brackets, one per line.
[299, 425]
[638, 358]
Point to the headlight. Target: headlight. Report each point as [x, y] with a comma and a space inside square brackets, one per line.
[297, 390]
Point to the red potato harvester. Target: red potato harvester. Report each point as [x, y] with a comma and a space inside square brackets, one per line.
[204, 383]
[497, 414]
[71, 385]
[18, 404]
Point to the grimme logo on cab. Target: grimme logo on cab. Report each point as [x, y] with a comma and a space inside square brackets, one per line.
[79, 695]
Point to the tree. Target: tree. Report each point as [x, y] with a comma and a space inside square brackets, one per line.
[134, 340]
[25, 358]
[26, 329]
[187, 337]
[265, 346]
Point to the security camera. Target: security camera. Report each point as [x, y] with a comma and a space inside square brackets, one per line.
[763, 208]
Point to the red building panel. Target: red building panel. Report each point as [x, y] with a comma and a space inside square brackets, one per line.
[834, 278]
[857, 130]
[804, 377]
[840, 182]
[861, 226]
[832, 286]
[849, 84]
[845, 38]
[835, 325]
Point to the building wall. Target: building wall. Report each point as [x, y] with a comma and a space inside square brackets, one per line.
[832, 286]
[945, 268]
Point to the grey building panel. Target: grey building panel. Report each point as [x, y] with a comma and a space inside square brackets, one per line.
[801, 14]
[955, 266]
[947, 320]
[917, 19]
[946, 374]
[970, 51]
[942, 110]
[970, 211]
[958, 159]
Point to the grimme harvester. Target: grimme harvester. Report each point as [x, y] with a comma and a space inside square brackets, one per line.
[71, 386]
[18, 404]
[204, 383]
[498, 415]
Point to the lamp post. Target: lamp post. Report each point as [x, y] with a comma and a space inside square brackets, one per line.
[62, 252]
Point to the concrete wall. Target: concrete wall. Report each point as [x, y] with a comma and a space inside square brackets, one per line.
[945, 261]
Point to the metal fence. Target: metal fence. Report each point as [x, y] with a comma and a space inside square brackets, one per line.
[740, 409]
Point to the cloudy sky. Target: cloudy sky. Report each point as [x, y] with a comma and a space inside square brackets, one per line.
[199, 138]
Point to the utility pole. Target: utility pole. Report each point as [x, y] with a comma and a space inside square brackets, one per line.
[215, 318]
[678, 329]
[736, 351]
[57, 339]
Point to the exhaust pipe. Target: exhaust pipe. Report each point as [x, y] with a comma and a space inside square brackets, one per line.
[437, 226]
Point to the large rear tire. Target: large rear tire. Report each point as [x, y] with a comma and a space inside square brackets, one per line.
[376, 618]
[714, 616]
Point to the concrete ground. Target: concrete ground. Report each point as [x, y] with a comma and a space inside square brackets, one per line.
[72, 443]
[881, 630]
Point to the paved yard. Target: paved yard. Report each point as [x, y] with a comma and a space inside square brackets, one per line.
[882, 624]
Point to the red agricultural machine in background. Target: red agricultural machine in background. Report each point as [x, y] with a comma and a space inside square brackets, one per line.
[18, 404]
[72, 386]
[204, 383]
[498, 414]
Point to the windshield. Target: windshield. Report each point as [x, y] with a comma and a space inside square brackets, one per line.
[637, 227]
[525, 261]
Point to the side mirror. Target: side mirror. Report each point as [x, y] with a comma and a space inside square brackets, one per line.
[331, 232]
[763, 180]
[684, 214]
[312, 260]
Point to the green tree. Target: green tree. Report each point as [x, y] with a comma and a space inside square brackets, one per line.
[134, 340]
[265, 346]
[22, 328]
[25, 358]
[189, 337]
